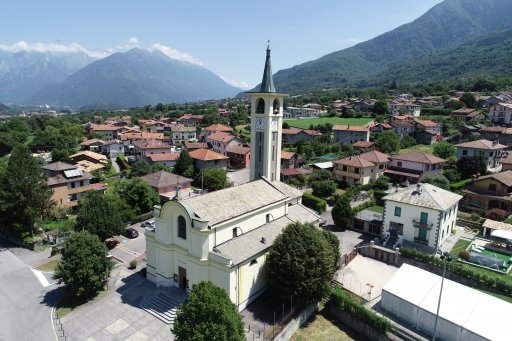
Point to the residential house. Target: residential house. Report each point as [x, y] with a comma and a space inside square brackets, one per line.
[301, 112]
[143, 148]
[502, 134]
[411, 167]
[422, 215]
[216, 128]
[506, 161]
[168, 184]
[364, 145]
[191, 120]
[490, 191]
[112, 148]
[68, 183]
[120, 121]
[166, 159]
[350, 133]
[491, 151]
[381, 127]
[239, 156]
[293, 135]
[501, 113]
[427, 132]
[183, 134]
[89, 161]
[105, 131]
[92, 144]
[205, 158]
[190, 146]
[361, 169]
[221, 142]
[288, 159]
[468, 115]
[401, 106]
[403, 127]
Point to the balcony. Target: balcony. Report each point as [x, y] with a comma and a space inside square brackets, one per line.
[419, 224]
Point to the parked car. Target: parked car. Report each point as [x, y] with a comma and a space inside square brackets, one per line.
[148, 223]
[131, 233]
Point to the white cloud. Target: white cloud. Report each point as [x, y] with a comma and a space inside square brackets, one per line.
[133, 40]
[53, 47]
[241, 84]
[349, 41]
[128, 44]
[175, 54]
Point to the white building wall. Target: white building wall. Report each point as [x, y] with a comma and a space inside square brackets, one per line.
[407, 164]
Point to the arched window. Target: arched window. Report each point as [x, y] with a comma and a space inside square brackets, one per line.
[260, 107]
[275, 107]
[182, 227]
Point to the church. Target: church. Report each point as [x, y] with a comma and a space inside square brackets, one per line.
[224, 236]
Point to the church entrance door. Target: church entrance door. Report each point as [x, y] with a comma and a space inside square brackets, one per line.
[182, 277]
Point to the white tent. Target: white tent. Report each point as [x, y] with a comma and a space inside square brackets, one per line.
[502, 234]
[465, 313]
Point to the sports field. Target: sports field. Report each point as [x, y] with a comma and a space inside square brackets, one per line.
[307, 122]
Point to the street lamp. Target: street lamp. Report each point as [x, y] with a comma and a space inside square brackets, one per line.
[447, 258]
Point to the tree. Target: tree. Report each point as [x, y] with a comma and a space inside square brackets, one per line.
[437, 180]
[382, 183]
[407, 141]
[319, 175]
[469, 99]
[452, 175]
[84, 267]
[214, 179]
[444, 150]
[99, 216]
[60, 155]
[323, 188]
[471, 165]
[334, 245]
[184, 165]
[388, 142]
[342, 213]
[208, 314]
[137, 194]
[286, 125]
[24, 193]
[159, 107]
[380, 108]
[300, 263]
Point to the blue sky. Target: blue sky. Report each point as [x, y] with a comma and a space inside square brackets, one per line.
[226, 36]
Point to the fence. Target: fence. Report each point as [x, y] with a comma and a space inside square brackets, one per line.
[59, 329]
[347, 258]
[280, 318]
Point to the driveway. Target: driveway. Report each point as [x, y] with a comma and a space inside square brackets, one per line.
[129, 249]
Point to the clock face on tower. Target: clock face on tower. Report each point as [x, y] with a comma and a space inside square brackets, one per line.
[275, 123]
[260, 123]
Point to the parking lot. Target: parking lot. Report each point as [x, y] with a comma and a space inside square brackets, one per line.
[129, 249]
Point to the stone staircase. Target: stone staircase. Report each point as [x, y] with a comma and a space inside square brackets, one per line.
[163, 303]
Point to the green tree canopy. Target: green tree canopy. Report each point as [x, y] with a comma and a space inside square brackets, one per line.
[388, 142]
[99, 216]
[323, 188]
[471, 165]
[137, 194]
[184, 165]
[24, 193]
[300, 263]
[380, 107]
[141, 168]
[84, 267]
[208, 314]
[319, 175]
[437, 180]
[342, 213]
[444, 150]
[469, 99]
[213, 179]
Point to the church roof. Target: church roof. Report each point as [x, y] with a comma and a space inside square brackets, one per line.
[267, 83]
[219, 206]
[249, 244]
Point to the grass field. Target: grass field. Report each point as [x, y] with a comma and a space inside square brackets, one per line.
[70, 302]
[49, 266]
[323, 326]
[460, 245]
[418, 148]
[375, 208]
[307, 122]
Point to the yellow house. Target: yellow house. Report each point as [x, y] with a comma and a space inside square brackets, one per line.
[222, 237]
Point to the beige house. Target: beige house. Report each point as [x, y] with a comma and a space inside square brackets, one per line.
[361, 169]
[143, 148]
[182, 134]
[222, 237]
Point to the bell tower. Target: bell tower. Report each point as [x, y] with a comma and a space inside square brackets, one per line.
[266, 130]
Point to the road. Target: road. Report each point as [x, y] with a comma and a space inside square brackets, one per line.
[26, 304]
[128, 249]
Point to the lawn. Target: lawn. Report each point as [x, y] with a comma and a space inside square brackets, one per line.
[49, 266]
[307, 122]
[418, 148]
[460, 245]
[375, 208]
[323, 326]
[70, 302]
[58, 225]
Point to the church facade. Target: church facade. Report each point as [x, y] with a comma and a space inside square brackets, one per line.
[224, 236]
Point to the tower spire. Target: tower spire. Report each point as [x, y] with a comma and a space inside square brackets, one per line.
[267, 83]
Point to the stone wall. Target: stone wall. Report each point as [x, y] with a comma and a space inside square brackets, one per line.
[381, 254]
[295, 323]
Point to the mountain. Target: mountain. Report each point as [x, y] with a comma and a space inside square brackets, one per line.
[135, 78]
[26, 72]
[449, 23]
[489, 55]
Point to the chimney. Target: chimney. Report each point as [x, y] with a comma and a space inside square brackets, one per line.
[177, 193]
[263, 240]
[418, 188]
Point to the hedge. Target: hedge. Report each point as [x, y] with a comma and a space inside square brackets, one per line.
[460, 269]
[364, 205]
[121, 161]
[314, 203]
[460, 184]
[343, 300]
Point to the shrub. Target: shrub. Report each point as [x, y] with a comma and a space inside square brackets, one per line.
[323, 188]
[464, 254]
[314, 203]
[343, 300]
[497, 214]
[133, 264]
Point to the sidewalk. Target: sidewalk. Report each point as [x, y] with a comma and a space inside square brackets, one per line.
[452, 239]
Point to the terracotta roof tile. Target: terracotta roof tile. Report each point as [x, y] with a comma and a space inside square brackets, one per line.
[163, 157]
[287, 155]
[420, 157]
[350, 128]
[206, 155]
[482, 144]
[218, 127]
[241, 150]
[164, 179]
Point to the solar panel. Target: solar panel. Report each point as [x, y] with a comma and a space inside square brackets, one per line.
[73, 173]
